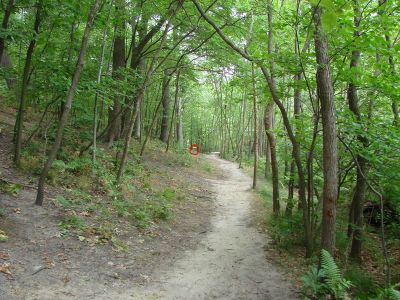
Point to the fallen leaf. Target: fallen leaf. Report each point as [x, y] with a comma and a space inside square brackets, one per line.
[3, 236]
[5, 268]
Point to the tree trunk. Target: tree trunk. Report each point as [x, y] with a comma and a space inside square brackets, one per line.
[24, 86]
[255, 128]
[395, 107]
[274, 162]
[356, 211]
[6, 63]
[165, 104]
[243, 132]
[138, 103]
[96, 97]
[114, 116]
[179, 123]
[174, 109]
[4, 25]
[330, 168]
[68, 102]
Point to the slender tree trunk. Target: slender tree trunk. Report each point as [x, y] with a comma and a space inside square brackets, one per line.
[179, 123]
[274, 162]
[356, 211]
[395, 106]
[255, 128]
[174, 109]
[99, 75]
[114, 116]
[151, 127]
[330, 168]
[24, 86]
[243, 132]
[68, 102]
[165, 105]
[290, 201]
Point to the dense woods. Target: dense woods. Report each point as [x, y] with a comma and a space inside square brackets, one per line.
[306, 93]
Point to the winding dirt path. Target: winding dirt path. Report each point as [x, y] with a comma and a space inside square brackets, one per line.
[230, 262]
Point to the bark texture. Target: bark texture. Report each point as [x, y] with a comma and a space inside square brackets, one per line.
[330, 167]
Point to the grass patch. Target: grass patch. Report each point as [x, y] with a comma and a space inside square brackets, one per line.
[9, 188]
[72, 222]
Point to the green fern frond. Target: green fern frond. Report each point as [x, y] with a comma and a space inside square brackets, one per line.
[393, 294]
[330, 268]
[336, 284]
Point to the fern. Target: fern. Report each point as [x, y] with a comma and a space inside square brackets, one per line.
[389, 293]
[333, 278]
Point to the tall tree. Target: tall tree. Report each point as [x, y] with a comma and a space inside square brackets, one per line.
[328, 114]
[24, 85]
[70, 96]
[114, 119]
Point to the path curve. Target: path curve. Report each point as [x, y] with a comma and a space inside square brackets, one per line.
[230, 262]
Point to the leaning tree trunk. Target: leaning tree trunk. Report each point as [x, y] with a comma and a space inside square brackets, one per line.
[24, 86]
[330, 167]
[68, 102]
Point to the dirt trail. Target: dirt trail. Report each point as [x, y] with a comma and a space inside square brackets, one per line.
[230, 262]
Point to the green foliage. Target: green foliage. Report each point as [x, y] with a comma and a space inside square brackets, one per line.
[364, 286]
[287, 231]
[168, 194]
[63, 202]
[328, 280]
[72, 222]
[336, 284]
[389, 293]
[313, 284]
[9, 188]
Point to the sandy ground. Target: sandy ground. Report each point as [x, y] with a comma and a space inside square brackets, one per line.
[230, 261]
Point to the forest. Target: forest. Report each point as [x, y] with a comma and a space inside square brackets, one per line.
[303, 95]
